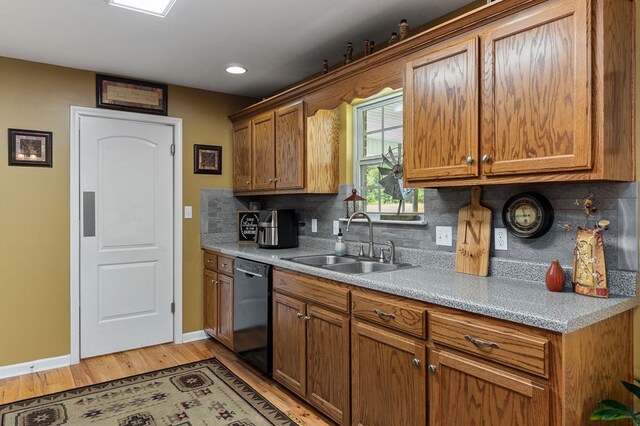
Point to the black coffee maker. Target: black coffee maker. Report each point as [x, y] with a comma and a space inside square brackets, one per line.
[277, 229]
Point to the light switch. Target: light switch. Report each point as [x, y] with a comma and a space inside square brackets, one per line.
[188, 212]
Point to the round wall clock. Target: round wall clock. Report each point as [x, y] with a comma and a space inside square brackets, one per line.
[527, 215]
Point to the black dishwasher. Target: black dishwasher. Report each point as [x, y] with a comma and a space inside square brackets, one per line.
[252, 335]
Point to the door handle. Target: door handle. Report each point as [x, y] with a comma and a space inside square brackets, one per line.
[88, 214]
[244, 271]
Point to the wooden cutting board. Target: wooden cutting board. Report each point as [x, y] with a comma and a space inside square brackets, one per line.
[474, 237]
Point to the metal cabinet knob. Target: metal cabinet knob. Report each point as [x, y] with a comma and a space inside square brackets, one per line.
[307, 318]
[431, 368]
[485, 158]
[299, 315]
[416, 362]
[469, 160]
[225, 265]
[209, 261]
[248, 182]
[276, 179]
[214, 282]
[270, 180]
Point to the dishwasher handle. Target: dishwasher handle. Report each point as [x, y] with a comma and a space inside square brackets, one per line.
[253, 274]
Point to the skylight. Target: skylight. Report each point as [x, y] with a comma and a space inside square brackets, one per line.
[152, 7]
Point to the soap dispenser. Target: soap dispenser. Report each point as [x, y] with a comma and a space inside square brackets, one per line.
[341, 247]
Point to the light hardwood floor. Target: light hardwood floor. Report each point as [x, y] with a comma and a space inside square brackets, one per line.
[123, 364]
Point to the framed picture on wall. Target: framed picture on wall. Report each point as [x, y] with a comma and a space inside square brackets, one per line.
[207, 159]
[125, 94]
[30, 148]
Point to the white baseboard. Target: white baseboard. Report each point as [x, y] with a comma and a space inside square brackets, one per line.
[194, 335]
[34, 366]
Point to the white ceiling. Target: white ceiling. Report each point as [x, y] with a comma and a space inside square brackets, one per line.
[279, 41]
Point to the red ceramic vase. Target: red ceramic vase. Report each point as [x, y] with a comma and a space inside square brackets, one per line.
[555, 276]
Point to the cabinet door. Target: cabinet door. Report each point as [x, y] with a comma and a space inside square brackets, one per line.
[289, 343]
[388, 377]
[263, 150]
[242, 156]
[328, 363]
[225, 310]
[210, 283]
[465, 392]
[290, 157]
[536, 93]
[441, 113]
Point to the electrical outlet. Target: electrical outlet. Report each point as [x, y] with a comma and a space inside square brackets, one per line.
[443, 236]
[188, 212]
[314, 225]
[336, 227]
[500, 235]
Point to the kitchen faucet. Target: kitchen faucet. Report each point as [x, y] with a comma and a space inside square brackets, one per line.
[371, 251]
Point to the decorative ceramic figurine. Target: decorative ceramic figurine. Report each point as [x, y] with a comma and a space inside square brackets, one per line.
[349, 55]
[555, 276]
[589, 269]
[325, 66]
[403, 29]
[393, 39]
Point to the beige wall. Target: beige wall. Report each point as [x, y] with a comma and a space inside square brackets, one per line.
[34, 202]
[636, 317]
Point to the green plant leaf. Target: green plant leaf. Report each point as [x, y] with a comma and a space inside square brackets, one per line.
[616, 405]
[610, 414]
[632, 388]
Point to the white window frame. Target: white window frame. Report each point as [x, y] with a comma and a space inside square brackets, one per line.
[358, 147]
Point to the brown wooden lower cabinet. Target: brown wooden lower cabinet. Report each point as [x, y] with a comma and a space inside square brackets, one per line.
[311, 350]
[389, 379]
[218, 297]
[463, 391]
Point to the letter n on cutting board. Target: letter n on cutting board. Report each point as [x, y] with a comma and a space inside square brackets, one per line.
[474, 237]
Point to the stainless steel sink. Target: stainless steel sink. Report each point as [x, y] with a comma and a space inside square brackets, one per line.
[362, 267]
[348, 264]
[322, 260]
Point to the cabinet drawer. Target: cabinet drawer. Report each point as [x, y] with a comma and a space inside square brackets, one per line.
[396, 314]
[502, 344]
[210, 261]
[225, 265]
[312, 289]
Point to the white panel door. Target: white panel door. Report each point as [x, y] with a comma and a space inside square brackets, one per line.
[126, 235]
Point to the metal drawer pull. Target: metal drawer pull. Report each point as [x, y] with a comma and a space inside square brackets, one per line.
[383, 315]
[214, 282]
[416, 362]
[432, 368]
[209, 261]
[253, 274]
[481, 343]
[225, 265]
[307, 318]
[299, 315]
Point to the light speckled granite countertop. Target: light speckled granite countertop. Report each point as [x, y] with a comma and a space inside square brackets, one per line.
[524, 302]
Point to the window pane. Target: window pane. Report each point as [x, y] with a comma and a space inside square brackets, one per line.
[393, 114]
[393, 139]
[370, 175]
[372, 144]
[373, 197]
[372, 120]
[389, 205]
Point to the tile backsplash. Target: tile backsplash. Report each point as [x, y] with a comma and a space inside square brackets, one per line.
[617, 202]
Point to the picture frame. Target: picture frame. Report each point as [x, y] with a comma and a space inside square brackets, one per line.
[247, 226]
[207, 159]
[33, 148]
[126, 94]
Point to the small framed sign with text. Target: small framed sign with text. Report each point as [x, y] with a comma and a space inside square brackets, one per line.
[247, 226]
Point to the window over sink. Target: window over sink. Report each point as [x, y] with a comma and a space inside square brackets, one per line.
[378, 128]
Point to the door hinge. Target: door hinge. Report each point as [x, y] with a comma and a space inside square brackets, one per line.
[173, 149]
[173, 307]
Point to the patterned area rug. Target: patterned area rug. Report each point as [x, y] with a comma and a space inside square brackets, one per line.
[201, 393]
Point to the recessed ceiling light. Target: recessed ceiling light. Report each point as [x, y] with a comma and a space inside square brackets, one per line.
[152, 7]
[236, 69]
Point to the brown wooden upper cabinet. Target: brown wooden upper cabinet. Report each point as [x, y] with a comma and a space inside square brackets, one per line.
[277, 151]
[554, 102]
[441, 112]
